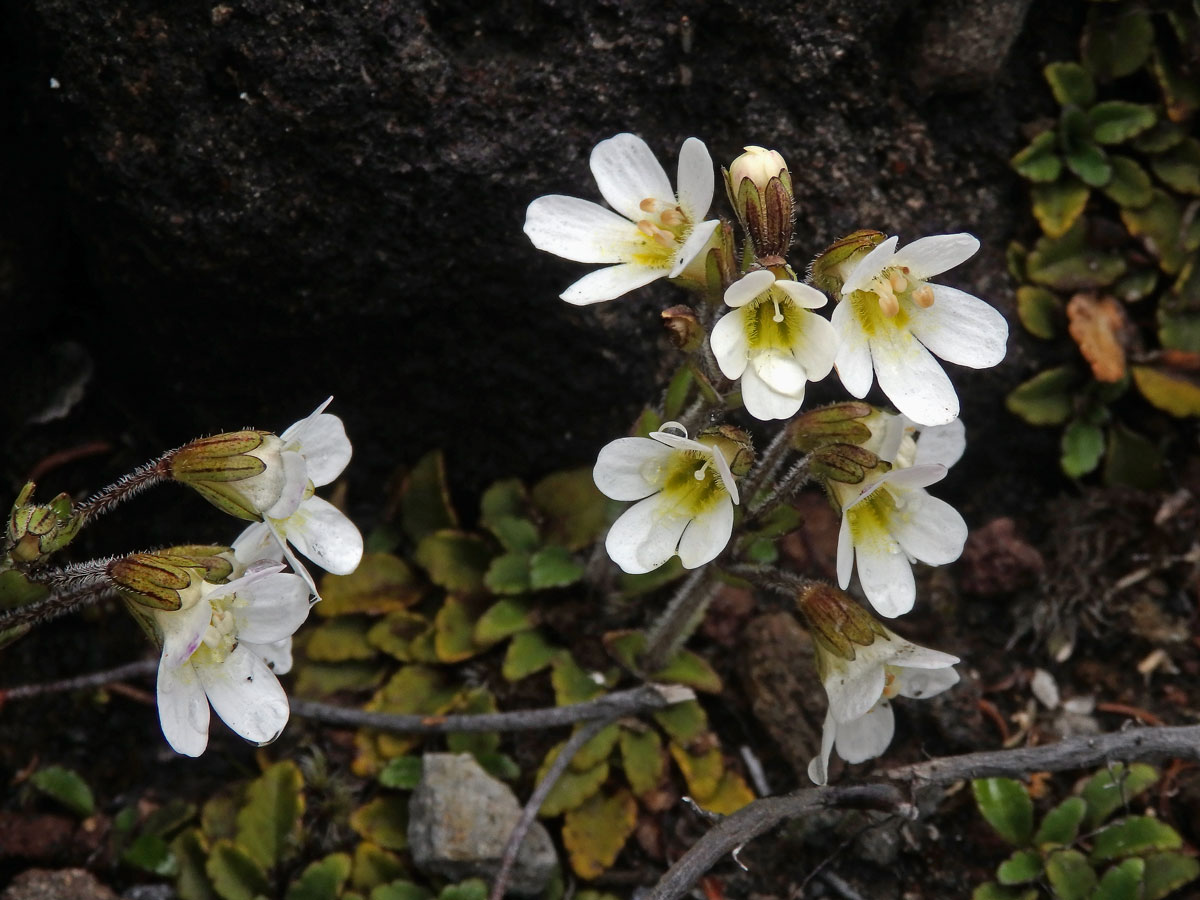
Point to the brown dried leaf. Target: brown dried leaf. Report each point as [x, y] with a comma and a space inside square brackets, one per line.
[1098, 325]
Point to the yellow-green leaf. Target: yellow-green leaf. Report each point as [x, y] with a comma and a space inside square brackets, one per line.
[1039, 310]
[374, 866]
[425, 505]
[454, 627]
[571, 683]
[503, 499]
[528, 652]
[502, 619]
[574, 510]
[1133, 836]
[683, 722]
[322, 880]
[508, 573]
[67, 787]
[454, 560]
[1111, 788]
[1070, 83]
[1158, 225]
[380, 584]
[643, 759]
[321, 680]
[1170, 391]
[1114, 121]
[597, 749]
[474, 701]
[191, 883]
[1130, 185]
[572, 788]
[1167, 872]
[1070, 874]
[553, 567]
[732, 794]
[702, 771]
[1122, 882]
[1039, 162]
[268, 825]
[1057, 205]
[394, 633]
[401, 889]
[383, 821]
[1179, 167]
[1045, 399]
[1021, 868]
[1061, 825]
[340, 640]
[684, 668]
[1006, 806]
[595, 832]
[234, 873]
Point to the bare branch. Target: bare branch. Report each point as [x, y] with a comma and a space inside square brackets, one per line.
[81, 682]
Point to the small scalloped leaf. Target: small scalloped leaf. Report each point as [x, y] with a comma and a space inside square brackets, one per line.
[1121, 882]
[1181, 93]
[1082, 447]
[1047, 398]
[1090, 163]
[553, 567]
[394, 633]
[1006, 806]
[683, 722]
[571, 683]
[1170, 390]
[1069, 263]
[402, 773]
[321, 880]
[1022, 867]
[701, 770]
[268, 824]
[234, 873]
[1166, 873]
[474, 701]
[381, 583]
[572, 788]
[383, 821]
[1071, 84]
[1130, 186]
[685, 667]
[731, 794]
[191, 853]
[1116, 46]
[340, 640]
[643, 759]
[1179, 167]
[595, 831]
[597, 749]
[1158, 225]
[1116, 121]
[503, 619]
[508, 574]
[401, 889]
[1136, 285]
[453, 630]
[454, 560]
[1070, 874]
[67, 787]
[1039, 310]
[505, 498]
[1039, 162]
[425, 505]
[574, 511]
[1132, 460]
[515, 534]
[374, 866]
[1061, 824]
[1132, 836]
[529, 652]
[1058, 205]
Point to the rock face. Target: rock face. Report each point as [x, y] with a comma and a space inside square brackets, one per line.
[459, 819]
[55, 884]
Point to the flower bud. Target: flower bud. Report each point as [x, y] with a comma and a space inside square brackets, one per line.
[844, 463]
[840, 423]
[836, 622]
[216, 560]
[760, 191]
[158, 580]
[829, 270]
[37, 530]
[241, 473]
[684, 328]
[732, 443]
[714, 268]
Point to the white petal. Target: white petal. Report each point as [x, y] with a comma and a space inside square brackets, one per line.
[961, 328]
[867, 737]
[721, 464]
[845, 553]
[765, 403]
[182, 708]
[631, 468]
[853, 355]
[919, 684]
[780, 372]
[297, 427]
[912, 378]
[610, 283]
[645, 536]
[706, 535]
[853, 688]
[915, 476]
[325, 448]
[908, 655]
[295, 485]
[815, 346]
[278, 655]
[276, 606]
[818, 767]
[870, 266]
[942, 444]
[803, 295]
[729, 345]
[627, 173]
[748, 287]
[678, 441]
[257, 542]
[246, 695]
[885, 575]
[321, 531]
[580, 230]
[183, 630]
[696, 241]
[929, 529]
[696, 179]
[935, 254]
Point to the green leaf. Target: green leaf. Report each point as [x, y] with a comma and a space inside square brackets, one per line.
[626, 647]
[268, 825]
[1114, 46]
[1070, 875]
[17, 590]
[1116, 121]
[1069, 263]
[504, 499]
[515, 534]
[453, 630]
[1130, 185]
[702, 770]
[1163, 136]
[67, 787]
[1121, 882]
[683, 722]
[502, 619]
[1020, 868]
[1170, 390]
[322, 880]
[425, 505]
[401, 890]
[150, 853]
[1061, 825]
[553, 567]
[529, 652]
[394, 633]
[1111, 788]
[381, 583]
[474, 701]
[1132, 460]
[234, 874]
[1047, 398]
[1181, 93]
[1090, 163]
[383, 821]
[1071, 84]
[1179, 167]
[1137, 285]
[1058, 205]
[1039, 162]
[575, 512]
[470, 889]
[1082, 447]
[677, 393]
[571, 683]
[1158, 225]
[643, 759]
[572, 788]
[1132, 836]
[596, 830]
[191, 854]
[374, 866]
[596, 750]
[1039, 310]
[454, 560]
[1006, 806]
[499, 765]
[414, 689]
[1166, 873]
[991, 891]
[402, 773]
[340, 640]
[1014, 259]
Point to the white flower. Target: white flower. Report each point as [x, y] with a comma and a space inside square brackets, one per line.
[773, 343]
[889, 521]
[686, 492]
[225, 647]
[860, 721]
[314, 452]
[892, 322]
[654, 232]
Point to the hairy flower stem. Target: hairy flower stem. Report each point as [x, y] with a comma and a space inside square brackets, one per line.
[796, 476]
[107, 499]
[769, 463]
[57, 604]
[681, 617]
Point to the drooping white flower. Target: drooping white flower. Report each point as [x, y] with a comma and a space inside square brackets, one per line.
[891, 322]
[889, 521]
[685, 492]
[860, 721]
[773, 343]
[313, 452]
[653, 233]
[224, 646]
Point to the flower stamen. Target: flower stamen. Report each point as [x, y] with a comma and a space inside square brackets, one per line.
[923, 296]
[778, 317]
[655, 233]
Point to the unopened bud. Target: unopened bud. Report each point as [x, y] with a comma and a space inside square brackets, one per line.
[216, 560]
[836, 622]
[732, 443]
[843, 463]
[241, 473]
[760, 191]
[714, 268]
[840, 423]
[684, 328]
[158, 580]
[36, 530]
[829, 270]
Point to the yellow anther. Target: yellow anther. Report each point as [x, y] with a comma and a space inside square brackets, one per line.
[898, 282]
[923, 296]
[888, 304]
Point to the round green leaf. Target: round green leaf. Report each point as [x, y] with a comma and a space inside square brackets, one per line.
[1130, 185]
[1111, 788]
[1121, 882]
[1134, 835]
[1039, 162]
[67, 787]
[1070, 874]
[1116, 45]
[1082, 447]
[1006, 806]
[1115, 121]
[1047, 398]
[1070, 83]
[1061, 824]
[1039, 310]
[1056, 206]
[1167, 872]
[1022, 867]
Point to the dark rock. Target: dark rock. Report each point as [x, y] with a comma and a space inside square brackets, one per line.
[963, 43]
[56, 884]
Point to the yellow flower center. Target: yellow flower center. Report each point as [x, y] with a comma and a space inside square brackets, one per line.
[883, 299]
[662, 232]
[772, 321]
[869, 520]
[220, 638]
[691, 484]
